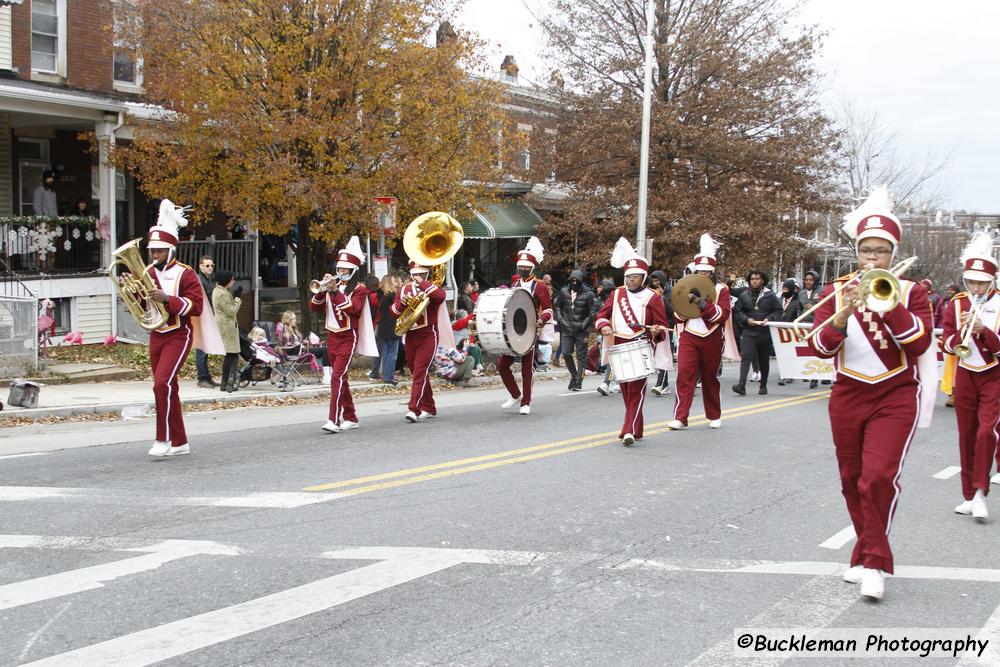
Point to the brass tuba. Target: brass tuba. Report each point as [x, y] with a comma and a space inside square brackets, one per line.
[430, 240]
[136, 288]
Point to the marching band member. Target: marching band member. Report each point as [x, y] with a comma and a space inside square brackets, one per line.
[977, 378]
[189, 325]
[700, 345]
[877, 398]
[634, 312]
[422, 340]
[348, 330]
[527, 260]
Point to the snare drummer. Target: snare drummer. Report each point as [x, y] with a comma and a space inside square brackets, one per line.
[633, 313]
[527, 260]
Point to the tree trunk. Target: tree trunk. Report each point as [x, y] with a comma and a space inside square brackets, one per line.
[305, 270]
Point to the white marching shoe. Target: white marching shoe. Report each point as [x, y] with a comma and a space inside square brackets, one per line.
[755, 377]
[159, 448]
[525, 409]
[331, 427]
[995, 479]
[411, 417]
[715, 423]
[179, 450]
[327, 374]
[979, 511]
[347, 425]
[964, 507]
[510, 402]
[425, 415]
[614, 388]
[872, 584]
[852, 575]
[602, 389]
[628, 439]
[676, 425]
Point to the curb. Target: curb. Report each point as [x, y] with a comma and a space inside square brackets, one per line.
[109, 408]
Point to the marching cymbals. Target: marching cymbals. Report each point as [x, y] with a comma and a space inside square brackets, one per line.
[686, 293]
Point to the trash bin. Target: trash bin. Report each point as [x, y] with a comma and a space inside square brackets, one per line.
[24, 393]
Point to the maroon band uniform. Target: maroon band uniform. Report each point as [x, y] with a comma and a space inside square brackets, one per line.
[699, 351]
[543, 304]
[421, 343]
[343, 314]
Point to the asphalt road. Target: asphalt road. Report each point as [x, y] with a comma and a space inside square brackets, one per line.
[480, 537]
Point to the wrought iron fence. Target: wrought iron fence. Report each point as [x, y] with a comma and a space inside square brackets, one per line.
[18, 334]
[50, 245]
[240, 257]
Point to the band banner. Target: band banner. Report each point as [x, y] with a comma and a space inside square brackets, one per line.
[796, 360]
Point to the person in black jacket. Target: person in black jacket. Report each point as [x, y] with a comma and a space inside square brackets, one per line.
[385, 330]
[753, 309]
[658, 283]
[575, 308]
[791, 308]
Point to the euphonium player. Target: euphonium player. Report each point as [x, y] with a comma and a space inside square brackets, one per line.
[877, 398]
[181, 293]
[348, 330]
[977, 378]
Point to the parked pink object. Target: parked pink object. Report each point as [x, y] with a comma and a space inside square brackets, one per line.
[110, 340]
[73, 338]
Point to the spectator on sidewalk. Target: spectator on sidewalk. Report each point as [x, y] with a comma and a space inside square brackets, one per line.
[658, 283]
[290, 340]
[791, 308]
[385, 331]
[465, 300]
[206, 265]
[226, 304]
[755, 307]
[454, 366]
[575, 307]
[374, 284]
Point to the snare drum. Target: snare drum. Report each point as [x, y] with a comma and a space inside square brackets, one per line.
[631, 361]
[506, 321]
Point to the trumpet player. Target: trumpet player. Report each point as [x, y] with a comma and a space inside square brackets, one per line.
[348, 330]
[971, 321]
[876, 399]
[181, 293]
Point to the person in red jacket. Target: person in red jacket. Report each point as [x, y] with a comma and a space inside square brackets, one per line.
[181, 293]
[422, 340]
[977, 378]
[349, 331]
[699, 348]
[883, 360]
[527, 260]
[634, 313]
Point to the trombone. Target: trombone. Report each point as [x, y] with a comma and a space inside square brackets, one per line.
[964, 349]
[878, 288]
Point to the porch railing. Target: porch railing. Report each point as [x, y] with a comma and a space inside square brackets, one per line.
[11, 285]
[240, 257]
[50, 245]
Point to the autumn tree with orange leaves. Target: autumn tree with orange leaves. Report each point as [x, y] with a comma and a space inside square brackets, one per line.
[297, 113]
[738, 141]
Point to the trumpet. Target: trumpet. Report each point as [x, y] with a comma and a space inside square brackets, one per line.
[320, 286]
[964, 349]
[879, 290]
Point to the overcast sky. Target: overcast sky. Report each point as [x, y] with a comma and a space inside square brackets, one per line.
[930, 68]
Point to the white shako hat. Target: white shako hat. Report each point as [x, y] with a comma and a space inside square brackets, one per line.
[625, 257]
[978, 262]
[351, 257]
[532, 255]
[873, 218]
[166, 231]
[705, 259]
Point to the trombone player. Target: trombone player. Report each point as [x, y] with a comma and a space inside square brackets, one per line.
[971, 320]
[876, 400]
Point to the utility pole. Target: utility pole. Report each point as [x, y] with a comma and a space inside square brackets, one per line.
[647, 94]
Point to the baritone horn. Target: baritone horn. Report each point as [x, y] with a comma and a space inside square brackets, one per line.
[430, 240]
[136, 288]
[879, 290]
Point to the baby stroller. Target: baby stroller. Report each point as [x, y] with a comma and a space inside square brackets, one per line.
[261, 364]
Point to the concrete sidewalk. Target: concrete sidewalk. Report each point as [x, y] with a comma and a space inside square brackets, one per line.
[61, 400]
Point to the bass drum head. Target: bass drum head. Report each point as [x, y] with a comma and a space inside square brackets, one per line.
[520, 321]
[490, 308]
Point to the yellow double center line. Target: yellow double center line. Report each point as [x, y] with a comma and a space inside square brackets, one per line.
[397, 478]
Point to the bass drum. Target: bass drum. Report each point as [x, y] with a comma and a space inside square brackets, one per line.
[506, 321]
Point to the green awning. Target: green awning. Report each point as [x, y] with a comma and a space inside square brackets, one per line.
[504, 220]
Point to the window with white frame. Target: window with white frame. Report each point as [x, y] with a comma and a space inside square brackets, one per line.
[127, 64]
[45, 36]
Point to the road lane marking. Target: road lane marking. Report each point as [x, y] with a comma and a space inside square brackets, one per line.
[190, 634]
[260, 500]
[95, 576]
[948, 472]
[840, 539]
[515, 455]
[19, 456]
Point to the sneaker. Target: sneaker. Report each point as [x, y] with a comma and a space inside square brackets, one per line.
[715, 423]
[657, 391]
[206, 384]
[665, 391]
[602, 389]
[826, 382]
[179, 450]
[755, 377]
[979, 511]
[697, 385]
[392, 383]
[964, 507]
[373, 375]
[426, 415]
[872, 584]
[812, 384]
[614, 388]
[740, 389]
[572, 385]
[950, 403]
[763, 389]
[781, 383]
[852, 575]
[159, 448]
[578, 385]
[411, 417]
[347, 425]
[510, 402]
[628, 439]
[330, 427]
[676, 425]
[525, 409]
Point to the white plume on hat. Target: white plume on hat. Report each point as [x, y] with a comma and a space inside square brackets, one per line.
[878, 202]
[622, 253]
[707, 245]
[354, 247]
[535, 249]
[171, 217]
[980, 247]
